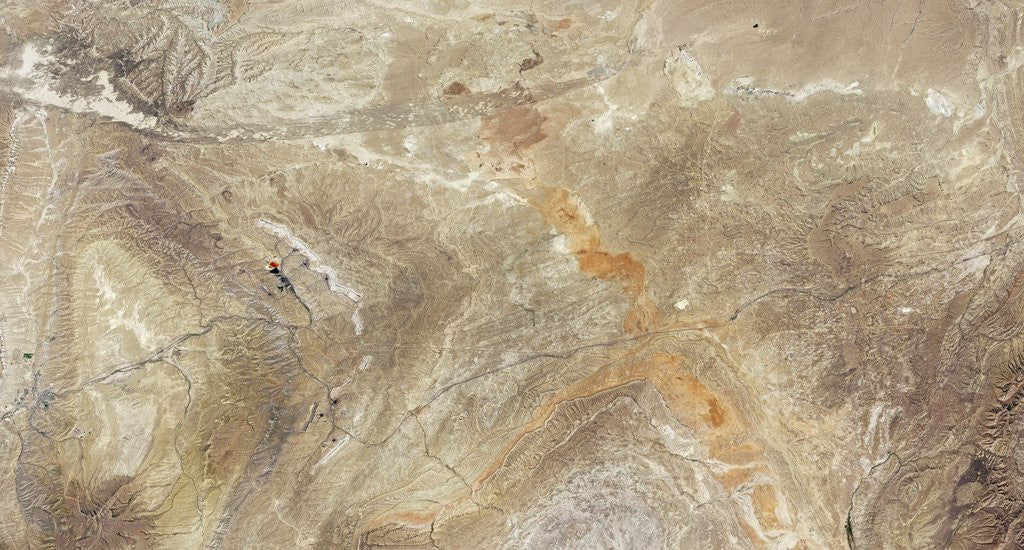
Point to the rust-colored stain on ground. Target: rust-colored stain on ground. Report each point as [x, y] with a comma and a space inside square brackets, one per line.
[715, 414]
[709, 415]
[765, 504]
[516, 128]
[714, 421]
[686, 396]
[752, 534]
[512, 132]
[565, 213]
[562, 24]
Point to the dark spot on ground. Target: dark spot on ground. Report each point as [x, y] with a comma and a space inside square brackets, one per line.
[531, 62]
[123, 62]
[976, 472]
[456, 88]
[180, 108]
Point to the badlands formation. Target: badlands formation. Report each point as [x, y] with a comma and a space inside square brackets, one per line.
[513, 274]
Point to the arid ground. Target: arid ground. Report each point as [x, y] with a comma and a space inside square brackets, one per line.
[461, 274]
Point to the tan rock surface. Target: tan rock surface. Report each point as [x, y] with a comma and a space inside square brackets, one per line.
[551, 274]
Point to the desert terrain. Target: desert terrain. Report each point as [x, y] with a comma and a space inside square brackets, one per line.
[452, 274]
